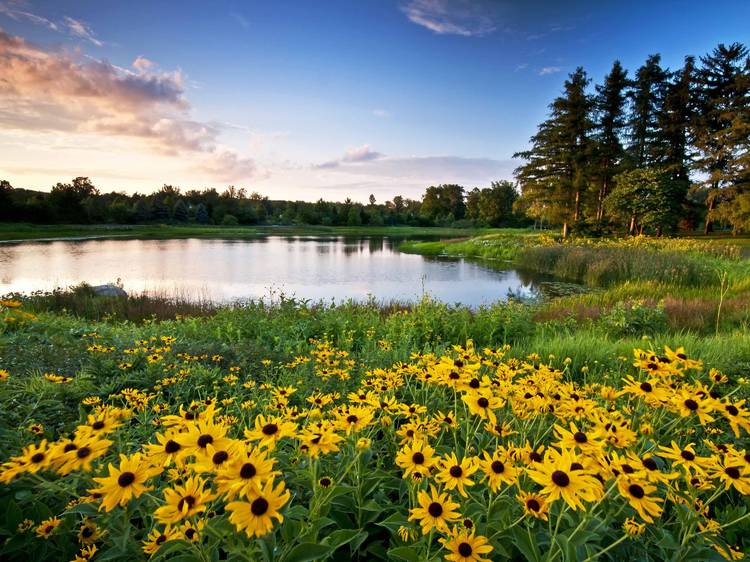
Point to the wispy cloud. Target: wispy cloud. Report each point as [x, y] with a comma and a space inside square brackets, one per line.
[352, 156]
[48, 90]
[548, 70]
[15, 11]
[81, 30]
[381, 113]
[240, 19]
[468, 18]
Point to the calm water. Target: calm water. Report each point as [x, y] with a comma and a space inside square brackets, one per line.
[225, 270]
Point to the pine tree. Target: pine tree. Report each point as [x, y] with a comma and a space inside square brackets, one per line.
[555, 178]
[722, 127]
[609, 129]
[647, 97]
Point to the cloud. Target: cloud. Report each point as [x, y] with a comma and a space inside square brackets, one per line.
[14, 11]
[468, 18]
[381, 113]
[548, 70]
[227, 166]
[58, 91]
[352, 156]
[81, 30]
[240, 19]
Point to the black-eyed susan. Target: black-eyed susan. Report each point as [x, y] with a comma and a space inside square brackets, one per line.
[35, 457]
[45, 529]
[89, 532]
[82, 452]
[685, 457]
[482, 403]
[255, 516]
[319, 439]
[632, 528]
[534, 505]
[184, 501]
[166, 451]
[416, 457]
[732, 473]
[156, 538]
[201, 434]
[124, 482]
[498, 469]
[464, 546]
[246, 474]
[638, 493]
[560, 480]
[435, 511]
[454, 473]
[269, 430]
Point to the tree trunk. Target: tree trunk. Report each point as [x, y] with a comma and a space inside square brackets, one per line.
[709, 224]
[565, 229]
[631, 228]
[578, 207]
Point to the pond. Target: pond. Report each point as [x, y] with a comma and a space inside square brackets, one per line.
[317, 268]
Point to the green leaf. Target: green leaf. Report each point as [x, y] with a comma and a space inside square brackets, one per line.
[405, 553]
[307, 552]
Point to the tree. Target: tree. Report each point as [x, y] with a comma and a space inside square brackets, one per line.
[644, 198]
[7, 211]
[555, 176]
[180, 211]
[444, 201]
[609, 128]
[647, 96]
[721, 129]
[372, 200]
[494, 205]
[201, 214]
[67, 199]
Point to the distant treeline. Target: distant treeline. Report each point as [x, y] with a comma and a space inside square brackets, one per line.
[663, 150]
[80, 202]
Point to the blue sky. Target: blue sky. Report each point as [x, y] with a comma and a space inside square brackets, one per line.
[311, 98]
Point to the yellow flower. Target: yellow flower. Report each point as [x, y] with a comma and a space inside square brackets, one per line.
[126, 482]
[184, 501]
[416, 457]
[156, 538]
[464, 546]
[255, 516]
[498, 469]
[455, 474]
[560, 480]
[637, 494]
[534, 505]
[270, 430]
[245, 474]
[435, 511]
[633, 528]
[45, 529]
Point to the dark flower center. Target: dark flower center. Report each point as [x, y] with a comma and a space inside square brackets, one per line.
[247, 471]
[636, 491]
[270, 429]
[83, 452]
[325, 482]
[533, 505]
[259, 506]
[352, 418]
[86, 532]
[560, 478]
[126, 479]
[497, 467]
[417, 458]
[474, 383]
[456, 471]
[187, 500]
[204, 440]
[190, 533]
[464, 549]
[98, 425]
[580, 437]
[69, 447]
[220, 457]
[37, 458]
[687, 455]
[646, 387]
[161, 539]
[691, 404]
[732, 472]
[483, 403]
[576, 466]
[650, 463]
[733, 411]
[435, 509]
[535, 457]
[172, 447]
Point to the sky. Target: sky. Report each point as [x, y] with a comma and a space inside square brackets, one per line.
[308, 99]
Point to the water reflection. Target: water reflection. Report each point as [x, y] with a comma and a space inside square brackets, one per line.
[225, 270]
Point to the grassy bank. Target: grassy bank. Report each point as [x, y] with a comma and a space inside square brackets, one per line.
[92, 381]
[22, 231]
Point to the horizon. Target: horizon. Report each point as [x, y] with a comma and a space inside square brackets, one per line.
[301, 102]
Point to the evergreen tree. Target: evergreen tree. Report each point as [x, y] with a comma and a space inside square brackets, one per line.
[555, 177]
[201, 214]
[609, 129]
[647, 97]
[180, 211]
[721, 128]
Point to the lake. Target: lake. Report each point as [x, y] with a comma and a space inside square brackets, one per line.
[314, 267]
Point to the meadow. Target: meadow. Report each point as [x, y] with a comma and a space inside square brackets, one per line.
[605, 425]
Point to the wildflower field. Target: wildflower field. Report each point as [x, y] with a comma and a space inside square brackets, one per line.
[345, 436]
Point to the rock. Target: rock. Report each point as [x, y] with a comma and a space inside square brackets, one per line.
[109, 290]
